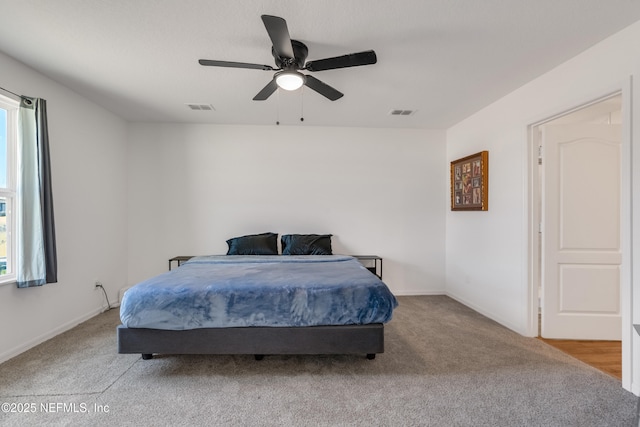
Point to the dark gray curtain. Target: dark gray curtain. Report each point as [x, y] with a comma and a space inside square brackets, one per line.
[46, 195]
[37, 258]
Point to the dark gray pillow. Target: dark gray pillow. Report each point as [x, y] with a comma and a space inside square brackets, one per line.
[254, 244]
[306, 244]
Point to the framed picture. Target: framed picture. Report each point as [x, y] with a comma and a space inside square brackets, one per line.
[470, 183]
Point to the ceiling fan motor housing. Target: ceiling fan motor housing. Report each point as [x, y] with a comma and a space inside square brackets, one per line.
[300, 52]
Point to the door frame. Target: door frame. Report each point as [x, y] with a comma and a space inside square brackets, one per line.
[533, 221]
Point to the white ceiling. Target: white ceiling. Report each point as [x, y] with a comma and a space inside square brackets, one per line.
[443, 58]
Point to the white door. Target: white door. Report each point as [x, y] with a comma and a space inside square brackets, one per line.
[581, 241]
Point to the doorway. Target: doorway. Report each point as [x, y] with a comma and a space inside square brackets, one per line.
[577, 254]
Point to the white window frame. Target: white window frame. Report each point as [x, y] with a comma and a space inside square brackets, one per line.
[9, 192]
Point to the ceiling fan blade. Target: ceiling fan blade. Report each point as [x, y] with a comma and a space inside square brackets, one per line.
[322, 88]
[266, 91]
[351, 60]
[279, 35]
[213, 63]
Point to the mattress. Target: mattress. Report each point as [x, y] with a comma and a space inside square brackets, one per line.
[263, 291]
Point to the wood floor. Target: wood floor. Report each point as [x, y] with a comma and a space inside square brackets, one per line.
[603, 355]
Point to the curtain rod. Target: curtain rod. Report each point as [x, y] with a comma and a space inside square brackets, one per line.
[11, 93]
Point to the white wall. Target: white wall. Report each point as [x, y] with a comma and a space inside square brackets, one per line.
[486, 252]
[192, 187]
[88, 149]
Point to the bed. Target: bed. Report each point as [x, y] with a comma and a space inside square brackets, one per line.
[258, 305]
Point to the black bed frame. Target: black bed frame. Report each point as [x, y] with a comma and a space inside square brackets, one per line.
[259, 341]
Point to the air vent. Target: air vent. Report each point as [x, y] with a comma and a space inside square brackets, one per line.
[402, 112]
[201, 107]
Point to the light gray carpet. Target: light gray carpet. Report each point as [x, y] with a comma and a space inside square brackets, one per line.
[444, 365]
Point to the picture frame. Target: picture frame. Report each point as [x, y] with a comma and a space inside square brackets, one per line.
[470, 183]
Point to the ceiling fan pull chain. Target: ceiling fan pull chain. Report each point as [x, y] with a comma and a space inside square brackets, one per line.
[302, 104]
[278, 109]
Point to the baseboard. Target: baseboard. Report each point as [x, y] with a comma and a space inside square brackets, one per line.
[417, 293]
[485, 313]
[50, 334]
[464, 302]
[65, 327]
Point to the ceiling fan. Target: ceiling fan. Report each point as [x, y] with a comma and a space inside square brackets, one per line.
[290, 56]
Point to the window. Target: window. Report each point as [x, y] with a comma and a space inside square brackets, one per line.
[8, 138]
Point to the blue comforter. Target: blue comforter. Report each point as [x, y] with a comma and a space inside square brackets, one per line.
[275, 291]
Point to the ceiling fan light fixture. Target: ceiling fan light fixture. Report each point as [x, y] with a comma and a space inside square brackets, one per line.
[290, 80]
